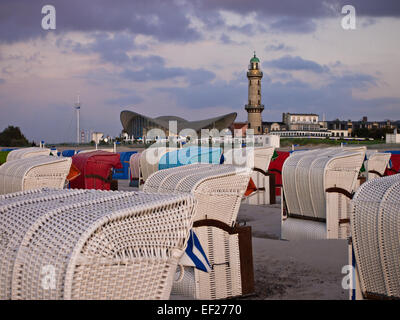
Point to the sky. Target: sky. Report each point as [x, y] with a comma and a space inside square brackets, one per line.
[189, 58]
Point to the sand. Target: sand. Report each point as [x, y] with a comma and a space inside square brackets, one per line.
[307, 269]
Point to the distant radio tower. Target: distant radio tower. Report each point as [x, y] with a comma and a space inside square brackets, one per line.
[77, 108]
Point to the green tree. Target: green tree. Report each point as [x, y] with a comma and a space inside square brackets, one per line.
[13, 137]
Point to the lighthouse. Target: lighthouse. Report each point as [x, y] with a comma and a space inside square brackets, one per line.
[254, 106]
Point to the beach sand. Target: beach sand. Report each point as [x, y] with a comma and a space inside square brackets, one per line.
[306, 269]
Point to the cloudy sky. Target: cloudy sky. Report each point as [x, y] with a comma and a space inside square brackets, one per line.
[189, 58]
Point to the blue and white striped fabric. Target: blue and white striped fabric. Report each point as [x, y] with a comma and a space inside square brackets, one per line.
[194, 255]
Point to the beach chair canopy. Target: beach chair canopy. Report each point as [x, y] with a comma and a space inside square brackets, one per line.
[150, 159]
[134, 163]
[307, 175]
[218, 189]
[375, 164]
[95, 168]
[190, 155]
[394, 163]
[68, 153]
[27, 153]
[32, 173]
[318, 185]
[258, 158]
[123, 173]
[375, 231]
[275, 167]
[91, 244]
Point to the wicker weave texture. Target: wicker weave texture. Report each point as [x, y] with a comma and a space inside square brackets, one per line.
[300, 229]
[218, 191]
[34, 172]
[375, 229]
[99, 244]
[27, 153]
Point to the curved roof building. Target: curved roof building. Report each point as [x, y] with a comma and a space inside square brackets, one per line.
[137, 125]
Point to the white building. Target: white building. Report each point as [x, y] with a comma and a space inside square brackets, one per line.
[393, 137]
[97, 136]
[339, 133]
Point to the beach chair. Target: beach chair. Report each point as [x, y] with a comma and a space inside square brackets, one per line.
[134, 164]
[257, 159]
[35, 172]
[375, 239]
[376, 164]
[124, 172]
[27, 153]
[218, 190]
[95, 168]
[275, 167]
[68, 153]
[318, 185]
[394, 163]
[150, 159]
[91, 244]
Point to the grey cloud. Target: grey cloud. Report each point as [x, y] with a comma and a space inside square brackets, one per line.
[111, 48]
[278, 47]
[309, 8]
[296, 63]
[226, 39]
[289, 16]
[152, 68]
[293, 25]
[355, 80]
[170, 20]
[166, 21]
[2, 81]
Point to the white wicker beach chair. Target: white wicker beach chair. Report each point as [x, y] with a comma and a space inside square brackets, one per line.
[27, 153]
[258, 160]
[134, 164]
[375, 235]
[91, 244]
[317, 186]
[150, 159]
[376, 164]
[32, 173]
[218, 190]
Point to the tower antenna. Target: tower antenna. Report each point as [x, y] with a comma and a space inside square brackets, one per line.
[77, 108]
